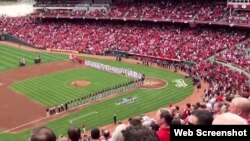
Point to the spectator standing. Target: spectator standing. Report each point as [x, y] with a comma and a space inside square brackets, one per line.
[200, 117]
[74, 134]
[229, 119]
[241, 107]
[117, 134]
[43, 134]
[95, 134]
[164, 119]
[139, 133]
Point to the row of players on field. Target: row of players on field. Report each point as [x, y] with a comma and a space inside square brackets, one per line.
[137, 81]
[116, 70]
[95, 96]
[108, 68]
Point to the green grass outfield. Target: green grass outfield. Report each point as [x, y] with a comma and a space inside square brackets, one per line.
[147, 100]
[54, 89]
[10, 57]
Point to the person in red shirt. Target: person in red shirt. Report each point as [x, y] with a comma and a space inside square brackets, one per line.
[187, 110]
[164, 119]
[219, 97]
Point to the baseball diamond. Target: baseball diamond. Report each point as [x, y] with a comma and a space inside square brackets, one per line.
[52, 93]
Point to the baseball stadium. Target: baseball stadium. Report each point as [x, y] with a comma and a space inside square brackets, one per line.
[121, 70]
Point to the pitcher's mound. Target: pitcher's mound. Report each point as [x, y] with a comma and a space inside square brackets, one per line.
[80, 83]
[154, 83]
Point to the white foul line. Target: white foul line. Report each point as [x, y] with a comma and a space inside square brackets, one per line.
[39, 119]
[23, 125]
[43, 119]
[82, 116]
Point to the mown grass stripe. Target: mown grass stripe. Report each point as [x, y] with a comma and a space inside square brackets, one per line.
[55, 86]
[10, 57]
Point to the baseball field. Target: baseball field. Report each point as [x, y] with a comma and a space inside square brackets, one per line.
[51, 83]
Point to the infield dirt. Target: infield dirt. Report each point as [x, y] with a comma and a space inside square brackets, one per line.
[15, 107]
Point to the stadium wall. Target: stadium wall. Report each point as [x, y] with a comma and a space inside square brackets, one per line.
[11, 38]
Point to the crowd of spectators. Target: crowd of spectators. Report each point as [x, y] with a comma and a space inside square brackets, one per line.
[218, 111]
[222, 80]
[238, 55]
[224, 83]
[211, 12]
[239, 17]
[207, 10]
[170, 41]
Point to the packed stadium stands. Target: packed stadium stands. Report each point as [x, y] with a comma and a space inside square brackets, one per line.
[240, 17]
[192, 10]
[237, 55]
[173, 41]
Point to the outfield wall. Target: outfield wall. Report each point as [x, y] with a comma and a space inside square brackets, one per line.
[11, 38]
